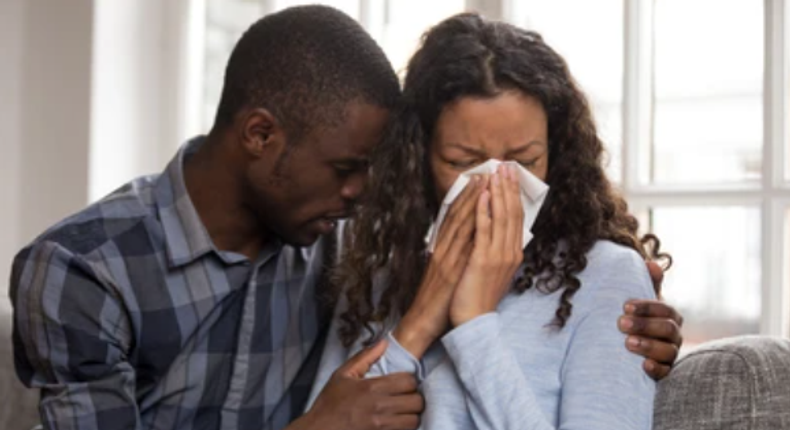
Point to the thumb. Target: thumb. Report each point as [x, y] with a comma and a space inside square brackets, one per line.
[359, 365]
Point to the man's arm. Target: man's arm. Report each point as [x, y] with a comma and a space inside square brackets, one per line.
[654, 329]
[71, 338]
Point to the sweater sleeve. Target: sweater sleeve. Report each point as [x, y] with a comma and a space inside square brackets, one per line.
[397, 359]
[603, 384]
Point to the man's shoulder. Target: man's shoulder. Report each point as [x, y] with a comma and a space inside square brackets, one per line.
[129, 207]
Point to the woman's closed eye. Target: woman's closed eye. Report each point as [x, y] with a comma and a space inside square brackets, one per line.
[463, 164]
[528, 164]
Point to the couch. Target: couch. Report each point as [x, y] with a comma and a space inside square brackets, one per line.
[738, 383]
[18, 405]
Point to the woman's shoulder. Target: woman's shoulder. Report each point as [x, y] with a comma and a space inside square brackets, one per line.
[615, 270]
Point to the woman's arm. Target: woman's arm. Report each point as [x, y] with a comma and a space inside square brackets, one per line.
[603, 385]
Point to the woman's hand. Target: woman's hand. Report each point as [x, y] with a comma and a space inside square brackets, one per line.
[427, 318]
[497, 252]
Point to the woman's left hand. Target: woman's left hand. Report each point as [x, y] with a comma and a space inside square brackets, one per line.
[497, 252]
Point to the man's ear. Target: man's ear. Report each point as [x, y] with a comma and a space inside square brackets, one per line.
[261, 132]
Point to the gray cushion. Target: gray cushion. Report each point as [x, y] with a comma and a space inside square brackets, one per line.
[19, 405]
[738, 383]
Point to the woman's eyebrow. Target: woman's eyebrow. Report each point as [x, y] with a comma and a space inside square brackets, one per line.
[469, 149]
[523, 148]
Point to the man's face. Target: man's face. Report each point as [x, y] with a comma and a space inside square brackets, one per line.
[315, 182]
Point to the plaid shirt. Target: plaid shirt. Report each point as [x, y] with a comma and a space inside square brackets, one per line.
[128, 317]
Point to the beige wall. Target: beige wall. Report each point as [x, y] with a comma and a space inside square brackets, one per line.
[45, 48]
[92, 94]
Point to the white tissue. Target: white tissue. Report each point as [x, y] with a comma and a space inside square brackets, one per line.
[533, 193]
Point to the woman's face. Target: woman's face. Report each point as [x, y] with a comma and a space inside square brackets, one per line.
[471, 130]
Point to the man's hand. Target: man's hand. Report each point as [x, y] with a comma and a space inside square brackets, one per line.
[350, 402]
[653, 328]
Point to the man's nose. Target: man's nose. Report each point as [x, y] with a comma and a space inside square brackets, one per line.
[354, 186]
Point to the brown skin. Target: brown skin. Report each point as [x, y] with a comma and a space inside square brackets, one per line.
[508, 127]
[250, 183]
[387, 403]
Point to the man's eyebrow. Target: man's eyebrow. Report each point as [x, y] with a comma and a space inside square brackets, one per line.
[470, 150]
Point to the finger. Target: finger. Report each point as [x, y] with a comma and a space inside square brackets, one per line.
[463, 257]
[359, 365]
[498, 213]
[461, 209]
[483, 221]
[655, 370]
[656, 275]
[395, 383]
[462, 239]
[509, 206]
[661, 352]
[652, 309]
[405, 404]
[400, 422]
[654, 328]
[516, 212]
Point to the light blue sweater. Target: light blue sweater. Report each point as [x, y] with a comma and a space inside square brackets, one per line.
[509, 370]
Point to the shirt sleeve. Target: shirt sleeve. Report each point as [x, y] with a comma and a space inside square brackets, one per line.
[603, 384]
[71, 338]
[397, 359]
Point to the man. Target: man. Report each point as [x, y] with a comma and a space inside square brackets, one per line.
[191, 299]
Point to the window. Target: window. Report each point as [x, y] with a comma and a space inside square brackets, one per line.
[398, 28]
[715, 282]
[690, 98]
[687, 79]
[594, 50]
[708, 102]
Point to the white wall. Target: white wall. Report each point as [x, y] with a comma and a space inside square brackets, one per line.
[11, 28]
[143, 92]
[92, 94]
[45, 48]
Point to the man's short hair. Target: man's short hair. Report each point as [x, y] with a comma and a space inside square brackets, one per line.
[305, 64]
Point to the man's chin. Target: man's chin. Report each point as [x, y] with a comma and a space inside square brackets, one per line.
[302, 238]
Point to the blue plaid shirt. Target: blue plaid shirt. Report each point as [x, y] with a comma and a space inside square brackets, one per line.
[128, 317]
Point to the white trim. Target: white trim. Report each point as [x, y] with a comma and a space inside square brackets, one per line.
[695, 199]
[193, 69]
[776, 291]
[782, 258]
[775, 301]
[637, 91]
[774, 94]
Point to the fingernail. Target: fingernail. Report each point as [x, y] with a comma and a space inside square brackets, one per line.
[633, 342]
[650, 366]
[495, 178]
[513, 173]
[626, 323]
[630, 309]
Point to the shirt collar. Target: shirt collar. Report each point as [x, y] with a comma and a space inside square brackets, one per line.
[186, 237]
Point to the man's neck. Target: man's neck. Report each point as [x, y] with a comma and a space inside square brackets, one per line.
[214, 188]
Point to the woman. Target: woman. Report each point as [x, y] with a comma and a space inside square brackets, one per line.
[500, 336]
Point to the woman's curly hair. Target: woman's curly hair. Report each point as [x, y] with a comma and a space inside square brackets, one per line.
[469, 56]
